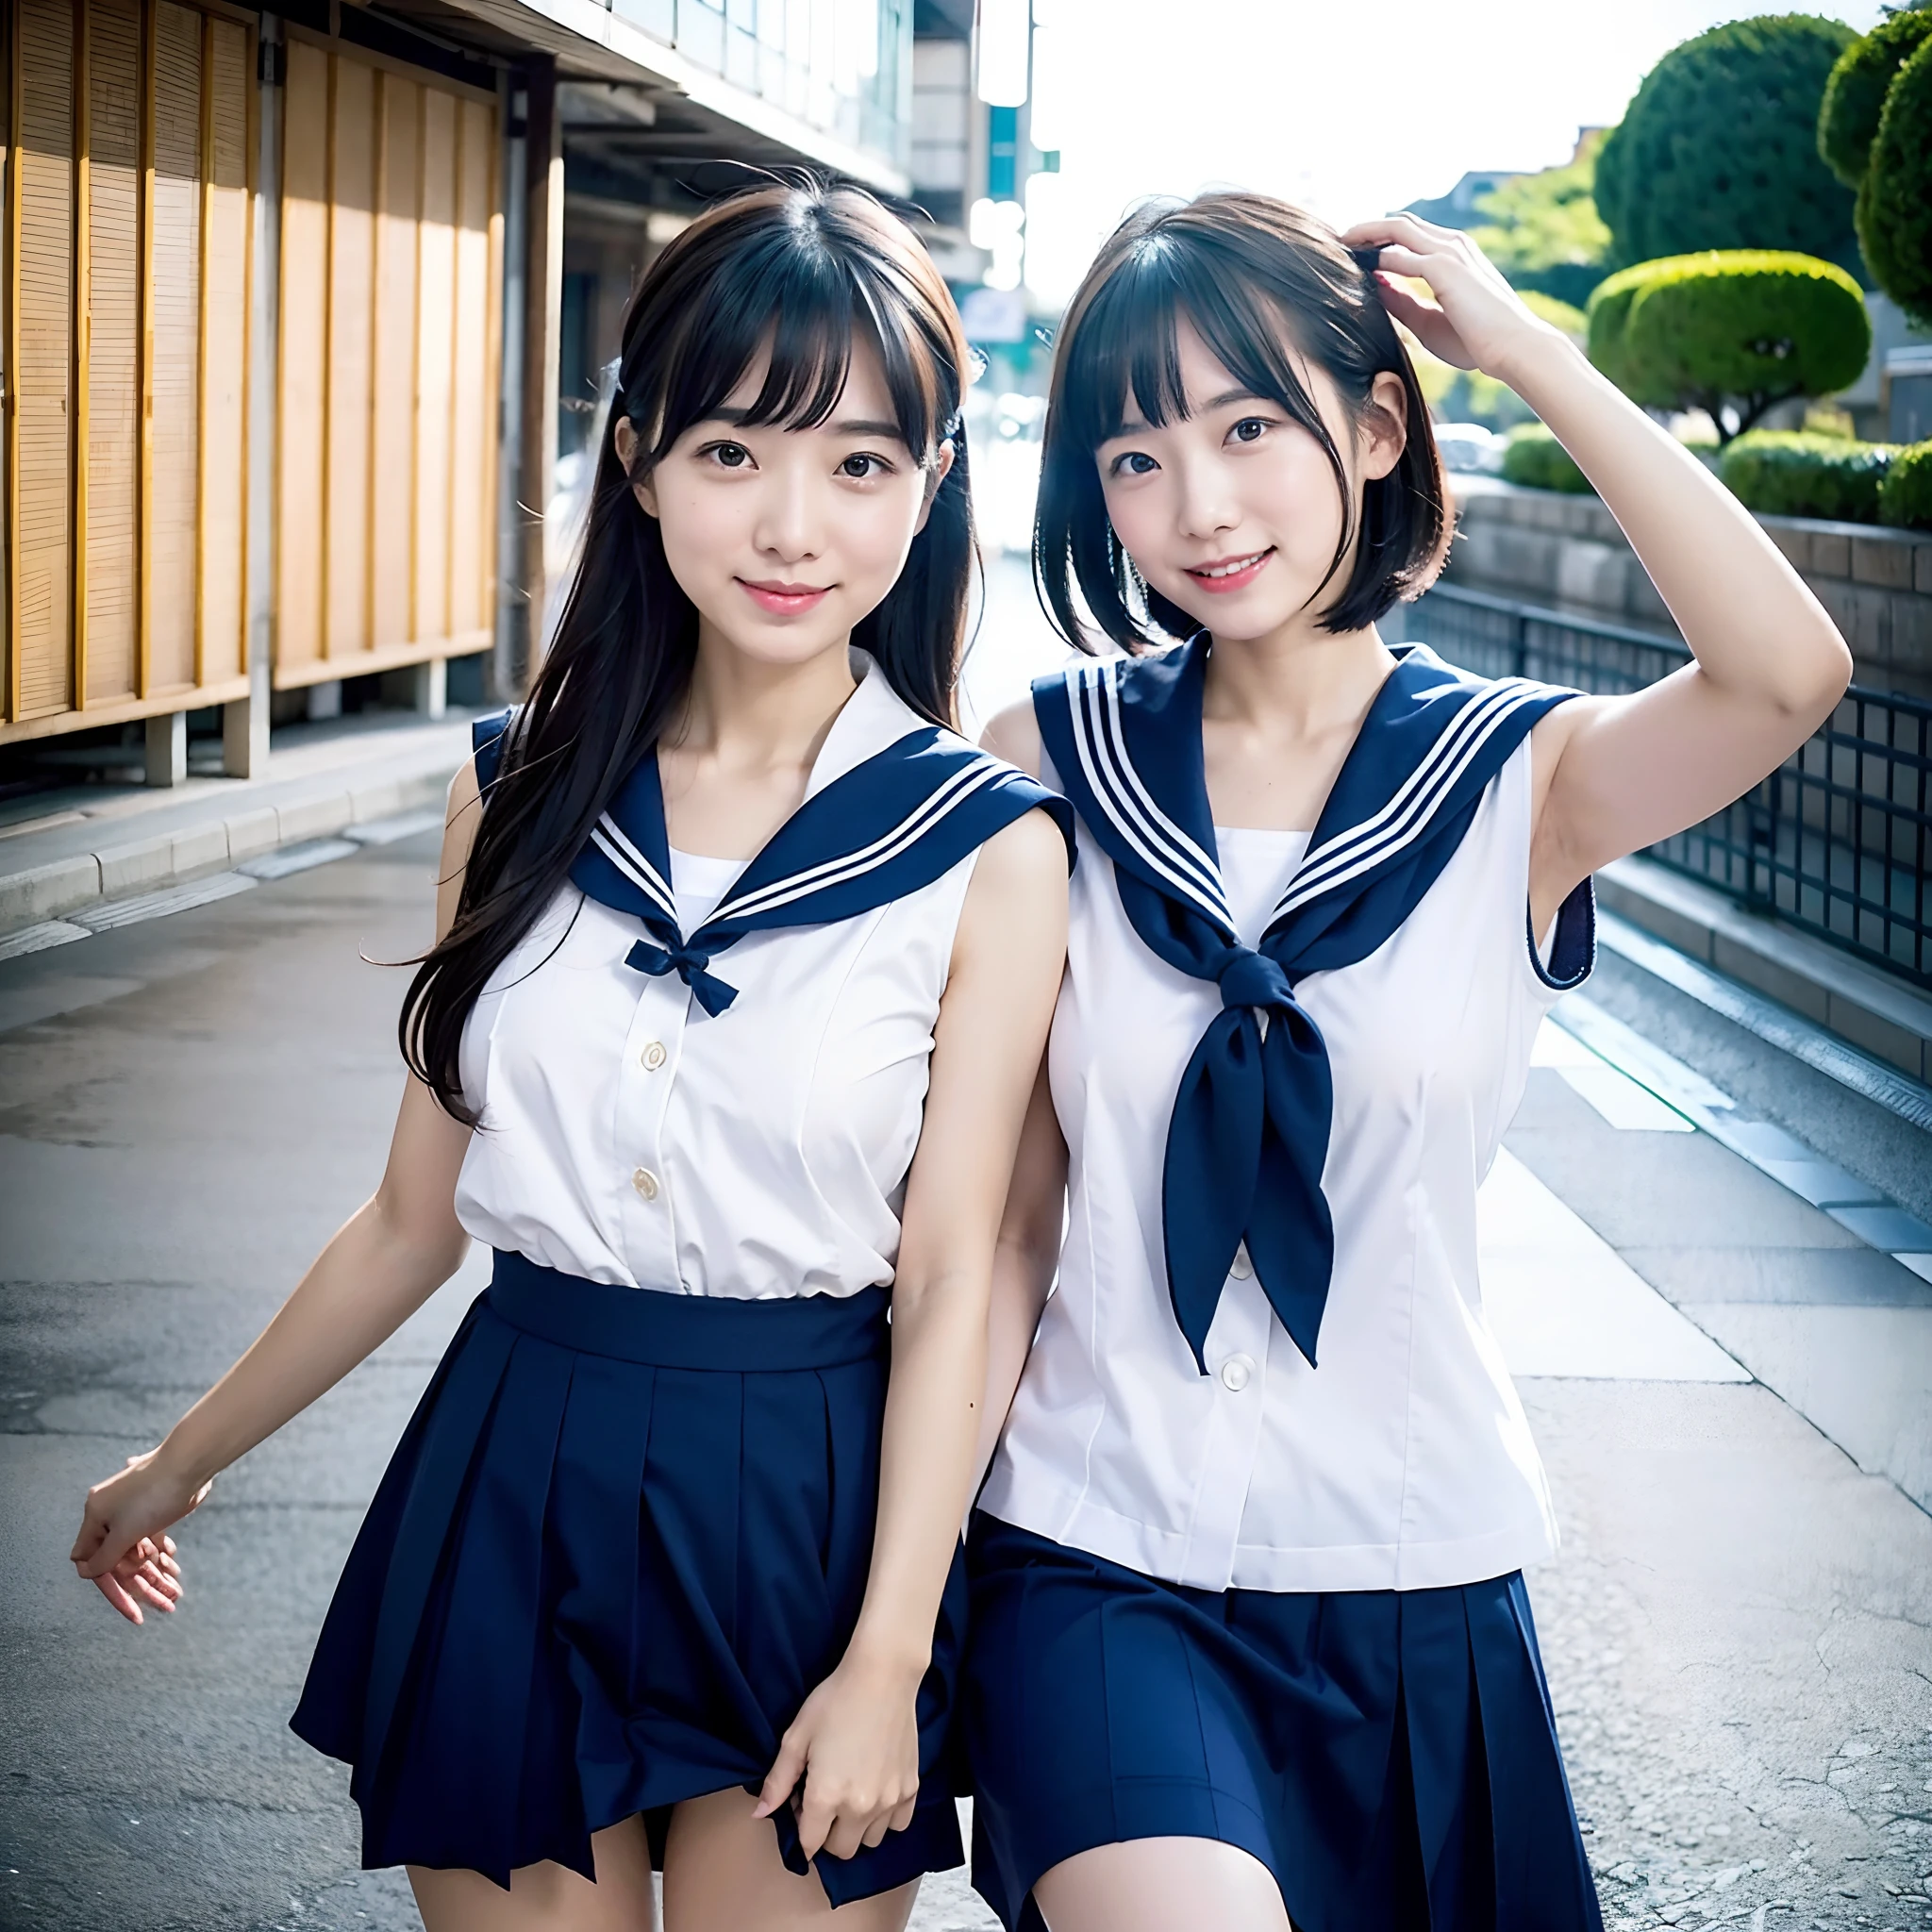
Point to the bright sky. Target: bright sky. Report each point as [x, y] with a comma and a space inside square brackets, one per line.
[1350, 107]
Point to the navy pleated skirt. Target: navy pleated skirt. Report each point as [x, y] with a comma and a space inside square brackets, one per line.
[1391, 1757]
[625, 1535]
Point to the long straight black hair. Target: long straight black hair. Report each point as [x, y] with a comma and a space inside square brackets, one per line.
[1255, 276]
[795, 273]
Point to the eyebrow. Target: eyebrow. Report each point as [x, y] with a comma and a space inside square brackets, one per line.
[1135, 425]
[736, 419]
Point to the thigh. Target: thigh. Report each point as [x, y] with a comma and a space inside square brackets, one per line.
[548, 1897]
[1155, 1884]
[723, 1873]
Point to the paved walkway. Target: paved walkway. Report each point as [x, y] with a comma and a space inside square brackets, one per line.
[1737, 1631]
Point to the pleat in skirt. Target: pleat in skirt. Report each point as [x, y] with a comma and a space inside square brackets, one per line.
[1391, 1757]
[623, 1537]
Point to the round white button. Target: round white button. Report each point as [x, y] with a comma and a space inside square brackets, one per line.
[1235, 1372]
[653, 1056]
[645, 1182]
[1240, 1268]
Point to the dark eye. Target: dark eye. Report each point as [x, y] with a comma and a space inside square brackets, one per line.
[862, 467]
[733, 456]
[1135, 463]
[1249, 428]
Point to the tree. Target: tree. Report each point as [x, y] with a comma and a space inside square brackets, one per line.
[1729, 332]
[1855, 94]
[1544, 231]
[1719, 147]
[1894, 208]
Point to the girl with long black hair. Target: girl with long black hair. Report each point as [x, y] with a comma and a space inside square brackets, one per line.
[1251, 1642]
[744, 962]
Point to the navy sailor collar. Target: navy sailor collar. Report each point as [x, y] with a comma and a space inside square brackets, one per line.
[1251, 1122]
[892, 803]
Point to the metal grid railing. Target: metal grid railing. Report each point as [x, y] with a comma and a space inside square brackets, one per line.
[1836, 840]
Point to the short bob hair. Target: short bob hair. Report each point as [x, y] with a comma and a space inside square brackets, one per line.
[1251, 274]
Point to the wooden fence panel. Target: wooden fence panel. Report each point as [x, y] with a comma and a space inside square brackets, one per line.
[42, 460]
[396, 527]
[223, 637]
[302, 472]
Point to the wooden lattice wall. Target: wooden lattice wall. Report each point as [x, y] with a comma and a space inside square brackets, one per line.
[391, 246]
[125, 266]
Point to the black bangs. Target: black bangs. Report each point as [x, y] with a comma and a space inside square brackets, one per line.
[1256, 279]
[807, 304]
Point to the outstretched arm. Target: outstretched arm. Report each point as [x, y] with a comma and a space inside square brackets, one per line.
[1616, 773]
[391, 1255]
[856, 1740]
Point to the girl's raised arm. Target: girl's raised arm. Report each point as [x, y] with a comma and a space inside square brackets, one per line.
[387, 1260]
[1617, 773]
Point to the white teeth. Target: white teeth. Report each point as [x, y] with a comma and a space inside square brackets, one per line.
[1228, 570]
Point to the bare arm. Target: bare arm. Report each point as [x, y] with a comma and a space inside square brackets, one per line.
[388, 1257]
[1023, 1262]
[855, 1740]
[1617, 773]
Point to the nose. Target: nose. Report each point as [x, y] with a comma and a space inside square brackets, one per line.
[790, 527]
[1207, 506]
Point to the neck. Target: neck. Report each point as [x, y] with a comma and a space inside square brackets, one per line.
[1298, 681]
[751, 715]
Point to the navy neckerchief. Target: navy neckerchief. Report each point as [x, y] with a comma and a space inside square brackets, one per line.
[890, 824]
[1249, 1134]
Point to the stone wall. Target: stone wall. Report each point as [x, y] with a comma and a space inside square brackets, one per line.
[1567, 551]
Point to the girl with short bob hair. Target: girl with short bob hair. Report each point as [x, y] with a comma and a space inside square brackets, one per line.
[1251, 1643]
[745, 959]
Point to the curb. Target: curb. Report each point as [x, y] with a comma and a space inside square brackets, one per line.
[66, 886]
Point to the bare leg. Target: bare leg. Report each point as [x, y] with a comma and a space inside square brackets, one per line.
[1155, 1884]
[723, 1873]
[548, 1897]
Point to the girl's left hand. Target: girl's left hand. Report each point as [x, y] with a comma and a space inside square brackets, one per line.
[855, 1742]
[1477, 321]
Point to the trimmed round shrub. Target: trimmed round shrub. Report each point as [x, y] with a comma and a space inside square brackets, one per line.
[1797, 472]
[1719, 147]
[1855, 94]
[1895, 200]
[1904, 498]
[1534, 457]
[1737, 331]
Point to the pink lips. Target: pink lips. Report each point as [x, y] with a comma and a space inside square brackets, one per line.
[785, 600]
[1235, 580]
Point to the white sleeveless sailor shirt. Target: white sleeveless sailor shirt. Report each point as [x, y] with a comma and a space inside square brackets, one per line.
[626, 1135]
[1404, 1461]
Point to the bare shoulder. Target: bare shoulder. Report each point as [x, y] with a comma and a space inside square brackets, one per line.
[1550, 737]
[461, 818]
[1015, 912]
[1014, 735]
[1027, 858]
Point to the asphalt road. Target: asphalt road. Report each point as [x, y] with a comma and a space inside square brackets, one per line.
[1738, 1631]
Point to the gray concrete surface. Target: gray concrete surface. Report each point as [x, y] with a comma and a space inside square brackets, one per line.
[1737, 1631]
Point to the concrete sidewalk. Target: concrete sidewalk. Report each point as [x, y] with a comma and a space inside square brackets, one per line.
[64, 850]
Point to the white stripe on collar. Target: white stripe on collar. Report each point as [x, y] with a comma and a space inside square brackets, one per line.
[1166, 850]
[1407, 815]
[882, 851]
[608, 838]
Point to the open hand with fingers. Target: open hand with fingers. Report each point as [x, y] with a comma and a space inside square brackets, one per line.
[849, 1762]
[122, 1549]
[1477, 321]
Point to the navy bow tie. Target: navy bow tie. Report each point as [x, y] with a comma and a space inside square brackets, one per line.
[1249, 1134]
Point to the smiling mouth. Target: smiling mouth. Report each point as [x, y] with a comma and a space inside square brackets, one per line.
[1231, 573]
[782, 598]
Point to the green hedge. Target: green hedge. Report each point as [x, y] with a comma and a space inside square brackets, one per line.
[1797, 472]
[1744, 327]
[1894, 213]
[1535, 458]
[1904, 498]
[1855, 94]
[1719, 149]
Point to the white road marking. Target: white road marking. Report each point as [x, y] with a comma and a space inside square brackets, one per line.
[1561, 1301]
